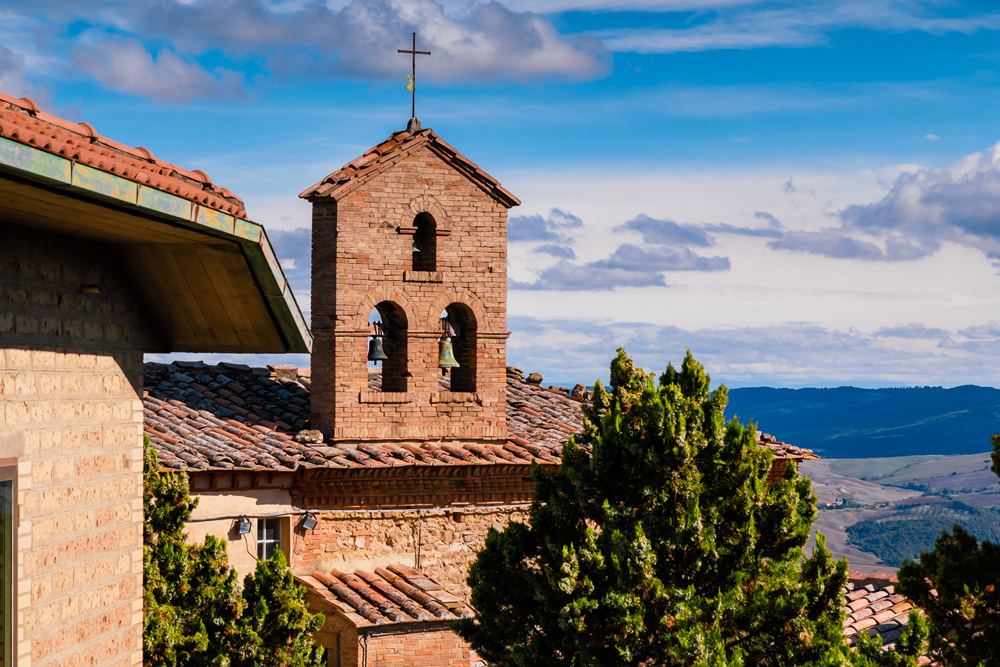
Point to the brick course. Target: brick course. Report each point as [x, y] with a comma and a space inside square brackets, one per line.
[71, 415]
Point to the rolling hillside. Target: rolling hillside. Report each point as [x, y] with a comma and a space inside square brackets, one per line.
[847, 422]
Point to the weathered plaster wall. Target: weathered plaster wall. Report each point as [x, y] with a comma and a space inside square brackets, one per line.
[242, 549]
[71, 417]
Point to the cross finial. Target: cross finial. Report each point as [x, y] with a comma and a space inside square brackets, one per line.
[411, 80]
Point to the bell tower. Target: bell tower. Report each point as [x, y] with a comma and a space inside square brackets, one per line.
[407, 233]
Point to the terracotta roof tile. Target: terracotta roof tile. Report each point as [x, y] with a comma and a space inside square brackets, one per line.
[22, 121]
[394, 594]
[396, 147]
[874, 608]
[231, 416]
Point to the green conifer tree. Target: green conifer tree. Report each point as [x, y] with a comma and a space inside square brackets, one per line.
[963, 611]
[659, 542]
[193, 611]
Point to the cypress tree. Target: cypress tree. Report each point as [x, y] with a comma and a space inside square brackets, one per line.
[659, 542]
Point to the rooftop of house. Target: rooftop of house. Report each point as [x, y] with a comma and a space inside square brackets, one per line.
[875, 608]
[401, 594]
[392, 594]
[231, 416]
[395, 148]
[21, 120]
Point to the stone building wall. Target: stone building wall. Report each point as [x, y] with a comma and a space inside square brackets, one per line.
[448, 542]
[362, 256]
[71, 422]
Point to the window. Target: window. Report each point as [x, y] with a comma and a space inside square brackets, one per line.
[268, 537]
[425, 243]
[7, 557]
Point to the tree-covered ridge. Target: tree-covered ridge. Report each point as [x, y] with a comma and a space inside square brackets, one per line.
[663, 545]
[897, 540]
[848, 422]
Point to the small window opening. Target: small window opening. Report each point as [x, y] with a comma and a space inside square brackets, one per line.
[425, 243]
[459, 328]
[268, 537]
[388, 339]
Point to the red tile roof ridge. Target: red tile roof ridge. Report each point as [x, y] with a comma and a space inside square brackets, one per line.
[21, 120]
[398, 145]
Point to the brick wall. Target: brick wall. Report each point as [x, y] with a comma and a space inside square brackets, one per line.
[448, 542]
[427, 648]
[362, 256]
[71, 418]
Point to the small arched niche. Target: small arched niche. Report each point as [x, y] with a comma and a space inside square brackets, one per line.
[391, 321]
[424, 243]
[463, 323]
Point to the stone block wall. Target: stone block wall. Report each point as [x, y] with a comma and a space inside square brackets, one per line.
[363, 256]
[71, 421]
[448, 542]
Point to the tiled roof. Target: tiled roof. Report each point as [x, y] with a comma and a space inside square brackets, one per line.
[393, 594]
[22, 121]
[875, 608]
[396, 147]
[232, 416]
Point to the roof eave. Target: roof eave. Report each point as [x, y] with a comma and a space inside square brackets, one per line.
[77, 180]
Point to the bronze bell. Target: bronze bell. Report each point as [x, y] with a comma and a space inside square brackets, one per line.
[375, 352]
[446, 356]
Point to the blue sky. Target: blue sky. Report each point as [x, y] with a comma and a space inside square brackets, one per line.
[803, 193]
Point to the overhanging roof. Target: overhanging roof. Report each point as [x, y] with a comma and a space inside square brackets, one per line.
[207, 275]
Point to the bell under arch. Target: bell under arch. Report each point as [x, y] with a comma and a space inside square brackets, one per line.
[388, 324]
[462, 321]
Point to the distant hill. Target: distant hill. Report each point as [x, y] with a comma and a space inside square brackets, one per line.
[894, 540]
[847, 422]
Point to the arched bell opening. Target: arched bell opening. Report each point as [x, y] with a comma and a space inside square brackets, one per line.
[387, 346]
[461, 322]
[425, 243]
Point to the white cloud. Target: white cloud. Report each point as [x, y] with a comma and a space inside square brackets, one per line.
[932, 137]
[125, 66]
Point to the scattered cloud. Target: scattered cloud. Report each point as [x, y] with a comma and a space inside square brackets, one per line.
[658, 258]
[566, 276]
[838, 245]
[560, 251]
[305, 40]
[125, 66]
[959, 203]
[912, 331]
[294, 248]
[793, 354]
[932, 137]
[542, 228]
[667, 232]
[788, 24]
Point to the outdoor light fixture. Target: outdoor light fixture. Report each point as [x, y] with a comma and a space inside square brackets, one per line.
[90, 289]
[243, 526]
[309, 521]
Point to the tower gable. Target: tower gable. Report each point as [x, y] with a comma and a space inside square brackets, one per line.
[405, 234]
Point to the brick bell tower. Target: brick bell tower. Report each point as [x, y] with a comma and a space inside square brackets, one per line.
[406, 232]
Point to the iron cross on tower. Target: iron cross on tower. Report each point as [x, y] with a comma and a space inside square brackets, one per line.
[411, 80]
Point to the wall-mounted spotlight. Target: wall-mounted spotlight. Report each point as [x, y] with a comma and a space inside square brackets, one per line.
[90, 289]
[243, 526]
[309, 521]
